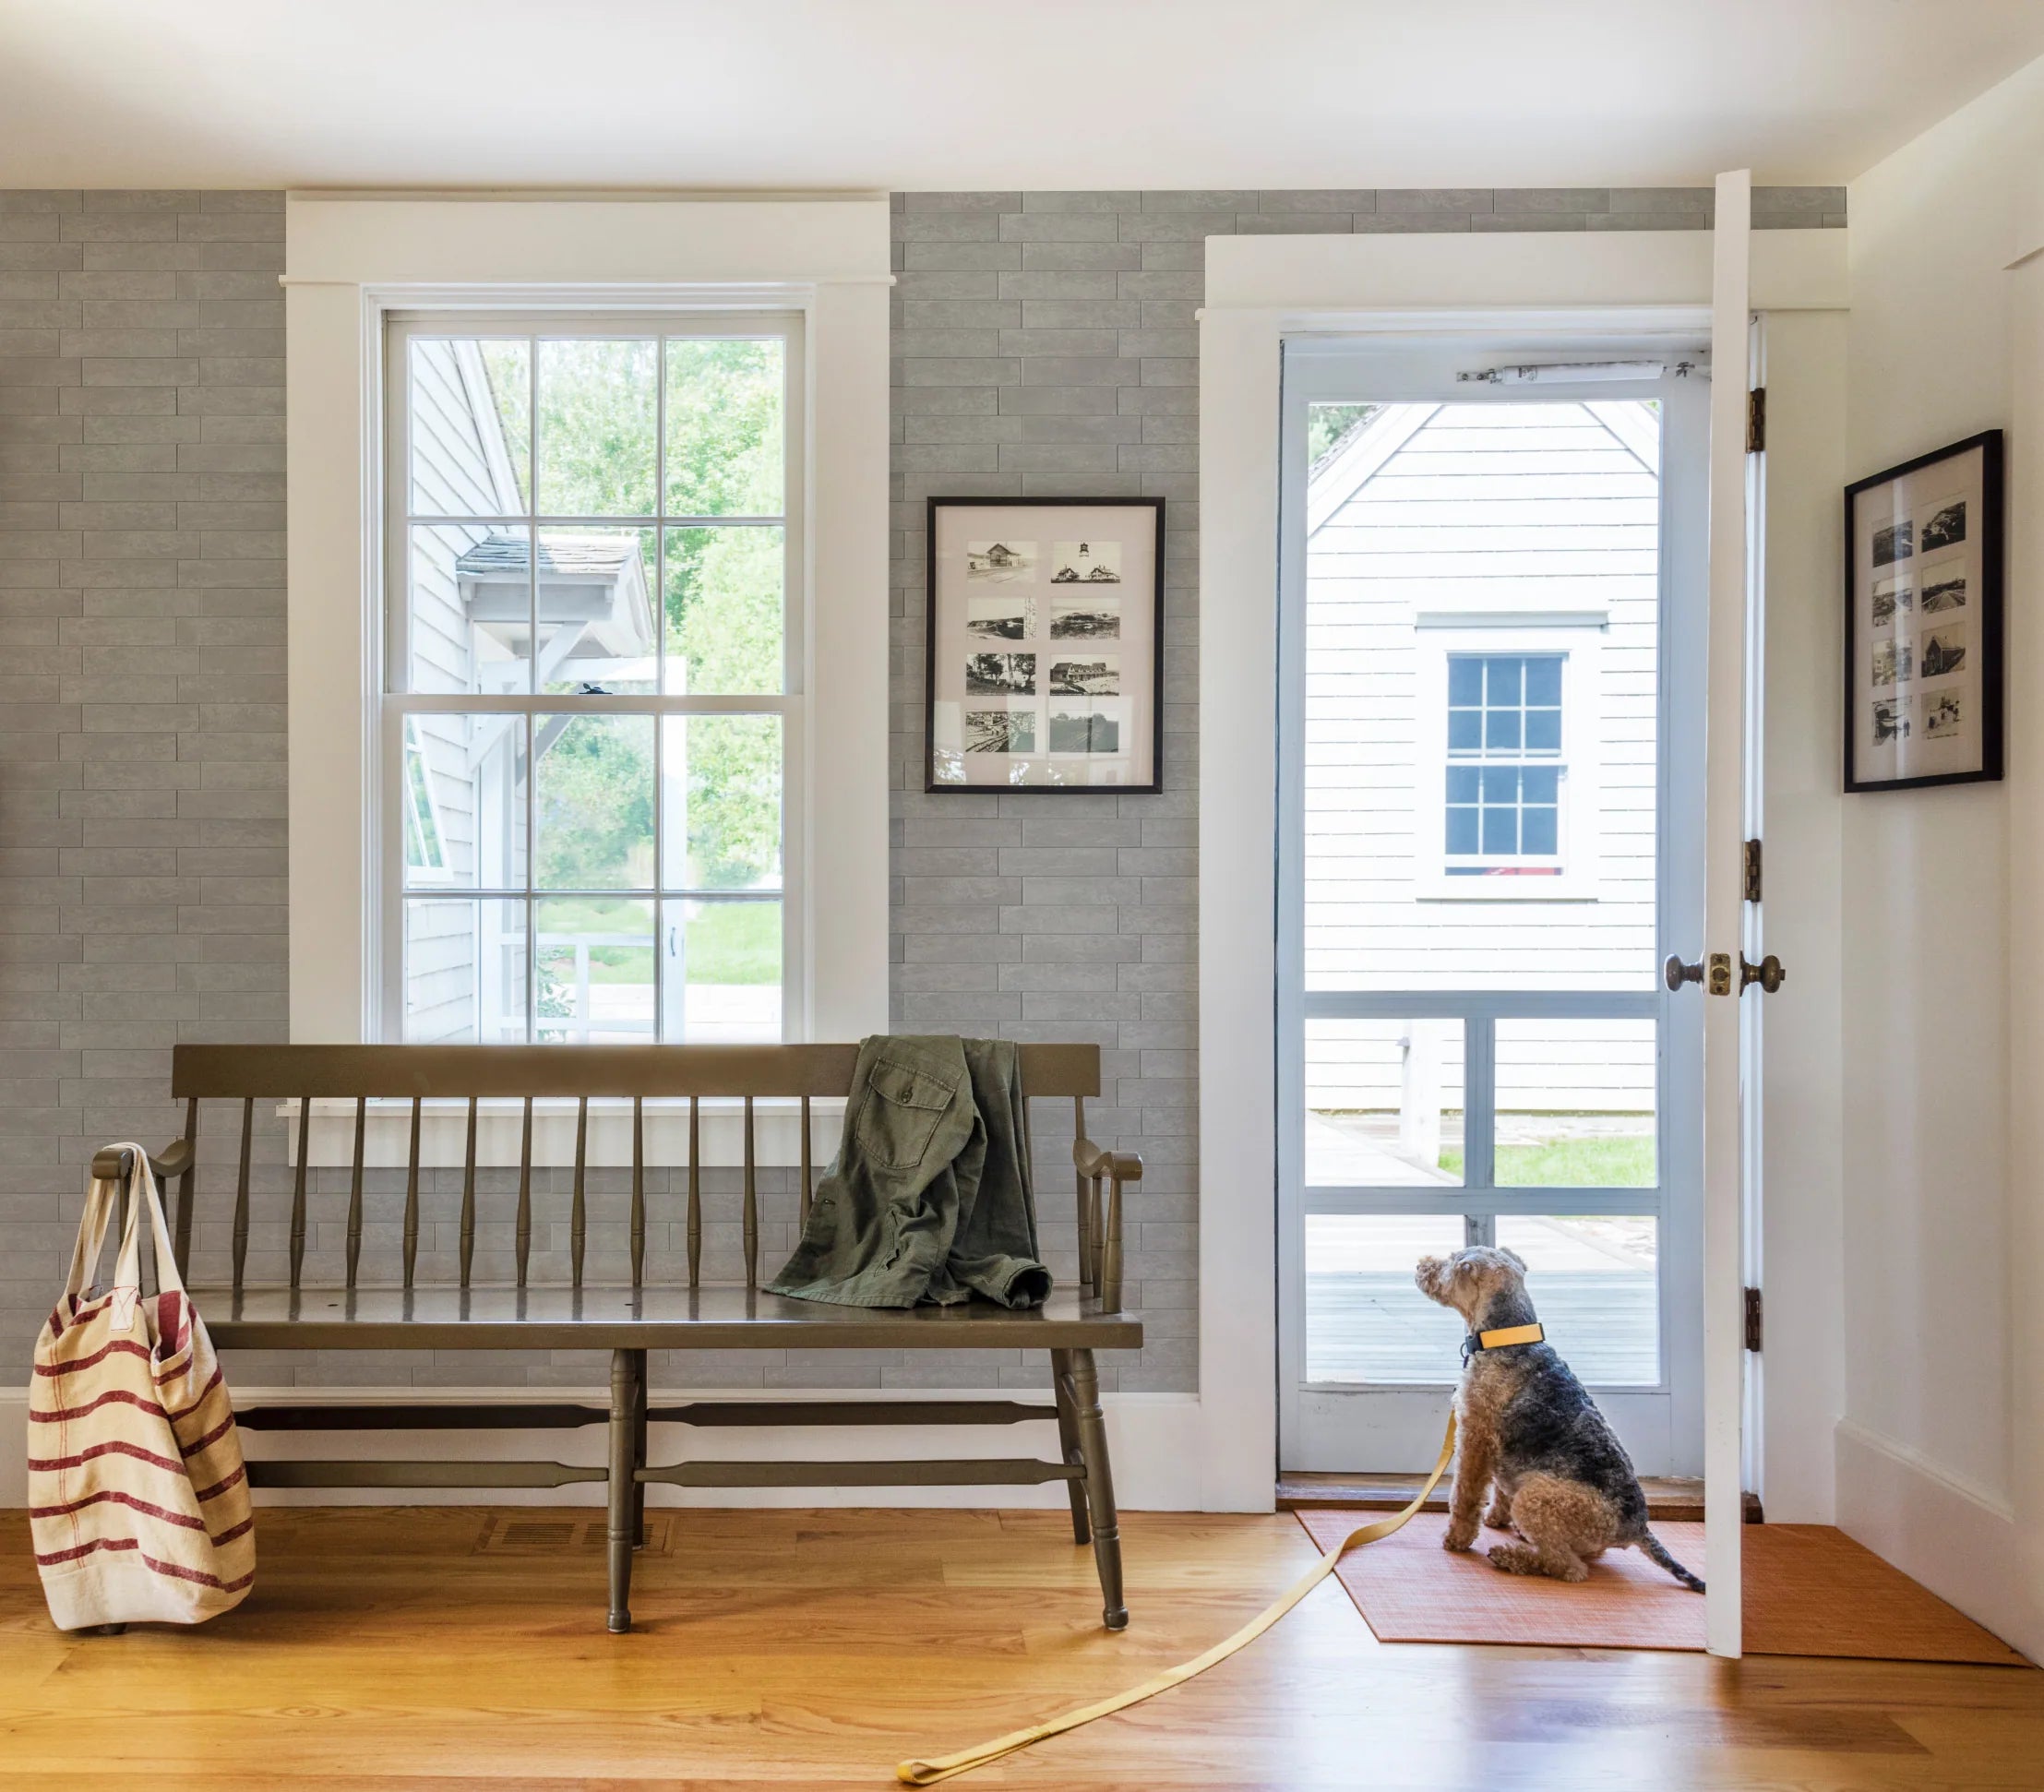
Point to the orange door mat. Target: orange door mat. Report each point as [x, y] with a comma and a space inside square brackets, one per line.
[1809, 1591]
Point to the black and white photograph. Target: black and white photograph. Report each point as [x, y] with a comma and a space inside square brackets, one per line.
[1896, 591]
[999, 616]
[1001, 730]
[1078, 725]
[1086, 563]
[1000, 674]
[1942, 651]
[1087, 618]
[1945, 527]
[1000, 562]
[1042, 657]
[1097, 677]
[1924, 620]
[1895, 542]
[1891, 718]
[1944, 589]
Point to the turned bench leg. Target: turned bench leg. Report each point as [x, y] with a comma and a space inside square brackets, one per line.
[1093, 1444]
[639, 1456]
[627, 1383]
[1068, 1440]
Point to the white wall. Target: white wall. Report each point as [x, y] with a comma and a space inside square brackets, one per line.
[1930, 1116]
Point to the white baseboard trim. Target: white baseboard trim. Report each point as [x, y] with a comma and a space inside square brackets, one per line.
[1152, 1438]
[1943, 1530]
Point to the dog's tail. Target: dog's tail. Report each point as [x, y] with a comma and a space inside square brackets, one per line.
[1650, 1545]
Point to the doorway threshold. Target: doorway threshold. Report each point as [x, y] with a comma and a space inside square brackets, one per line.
[1669, 1500]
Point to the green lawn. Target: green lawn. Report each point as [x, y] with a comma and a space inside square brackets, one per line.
[735, 942]
[727, 942]
[1620, 1162]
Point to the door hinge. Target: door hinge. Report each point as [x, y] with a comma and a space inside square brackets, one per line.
[1753, 1318]
[1756, 421]
[1753, 870]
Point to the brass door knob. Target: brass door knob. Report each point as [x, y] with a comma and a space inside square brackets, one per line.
[1677, 974]
[1768, 973]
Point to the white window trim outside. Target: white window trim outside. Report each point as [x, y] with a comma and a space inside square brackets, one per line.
[1580, 641]
[354, 259]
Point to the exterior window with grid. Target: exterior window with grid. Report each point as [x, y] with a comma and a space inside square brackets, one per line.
[1504, 765]
[592, 678]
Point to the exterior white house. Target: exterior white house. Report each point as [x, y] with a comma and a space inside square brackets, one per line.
[1480, 749]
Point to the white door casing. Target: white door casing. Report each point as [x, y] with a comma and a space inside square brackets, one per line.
[1259, 290]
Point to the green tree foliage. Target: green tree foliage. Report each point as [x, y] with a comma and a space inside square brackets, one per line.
[594, 804]
[725, 450]
[597, 412]
[733, 785]
[722, 605]
[1327, 424]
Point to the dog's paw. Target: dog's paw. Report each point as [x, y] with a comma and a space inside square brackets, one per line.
[1499, 1518]
[1459, 1538]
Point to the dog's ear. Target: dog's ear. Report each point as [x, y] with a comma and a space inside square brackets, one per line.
[1508, 1252]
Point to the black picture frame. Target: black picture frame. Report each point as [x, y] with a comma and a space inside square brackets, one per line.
[1989, 611]
[1152, 663]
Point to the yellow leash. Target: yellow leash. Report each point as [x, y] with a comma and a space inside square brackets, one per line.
[927, 1773]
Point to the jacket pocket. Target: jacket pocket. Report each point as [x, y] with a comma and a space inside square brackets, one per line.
[899, 1116]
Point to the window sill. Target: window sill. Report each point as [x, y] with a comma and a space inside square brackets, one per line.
[500, 1123]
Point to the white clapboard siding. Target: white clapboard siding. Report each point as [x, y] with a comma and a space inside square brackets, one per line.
[1496, 509]
[457, 470]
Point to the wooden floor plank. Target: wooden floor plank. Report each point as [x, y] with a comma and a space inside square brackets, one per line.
[384, 1648]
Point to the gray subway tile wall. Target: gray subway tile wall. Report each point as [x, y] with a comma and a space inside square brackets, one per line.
[1045, 344]
[142, 826]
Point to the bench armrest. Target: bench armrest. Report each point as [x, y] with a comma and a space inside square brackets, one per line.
[175, 1160]
[1100, 1252]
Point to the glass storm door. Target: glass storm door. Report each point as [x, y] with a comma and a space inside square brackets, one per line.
[1494, 636]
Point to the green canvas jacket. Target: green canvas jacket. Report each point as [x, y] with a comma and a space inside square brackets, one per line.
[928, 1198]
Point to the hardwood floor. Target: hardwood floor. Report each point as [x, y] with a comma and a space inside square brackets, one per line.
[463, 1649]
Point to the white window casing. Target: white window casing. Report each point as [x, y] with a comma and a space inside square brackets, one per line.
[354, 260]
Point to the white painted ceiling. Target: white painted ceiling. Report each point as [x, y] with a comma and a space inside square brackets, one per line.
[937, 94]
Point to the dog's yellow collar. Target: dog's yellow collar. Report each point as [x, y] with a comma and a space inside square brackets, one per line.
[1502, 1337]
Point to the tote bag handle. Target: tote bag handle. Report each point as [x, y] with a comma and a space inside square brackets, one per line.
[127, 1268]
[93, 1223]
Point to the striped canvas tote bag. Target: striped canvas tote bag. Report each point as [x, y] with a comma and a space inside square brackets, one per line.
[137, 1499]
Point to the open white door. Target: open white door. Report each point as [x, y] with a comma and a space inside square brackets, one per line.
[1721, 975]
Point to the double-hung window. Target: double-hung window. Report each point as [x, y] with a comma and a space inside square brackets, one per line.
[593, 704]
[1504, 765]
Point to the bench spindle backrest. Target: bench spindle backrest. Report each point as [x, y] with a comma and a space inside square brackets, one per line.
[410, 1202]
[578, 1212]
[473, 1073]
[354, 1189]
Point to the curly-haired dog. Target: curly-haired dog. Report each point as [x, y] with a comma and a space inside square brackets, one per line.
[1563, 1481]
